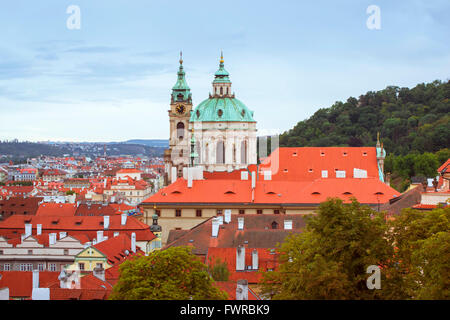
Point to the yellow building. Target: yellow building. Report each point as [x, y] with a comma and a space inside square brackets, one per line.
[104, 254]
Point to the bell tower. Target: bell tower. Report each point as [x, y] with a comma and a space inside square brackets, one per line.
[179, 113]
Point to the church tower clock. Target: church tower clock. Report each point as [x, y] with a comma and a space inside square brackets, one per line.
[177, 156]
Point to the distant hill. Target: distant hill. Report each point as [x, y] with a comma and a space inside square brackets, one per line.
[409, 120]
[22, 150]
[150, 142]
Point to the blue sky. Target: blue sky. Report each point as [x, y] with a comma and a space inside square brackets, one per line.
[111, 79]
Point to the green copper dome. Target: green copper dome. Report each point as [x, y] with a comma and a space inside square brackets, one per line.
[222, 105]
[221, 109]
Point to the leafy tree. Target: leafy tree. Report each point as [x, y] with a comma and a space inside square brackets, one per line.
[410, 120]
[171, 274]
[219, 270]
[329, 260]
[422, 256]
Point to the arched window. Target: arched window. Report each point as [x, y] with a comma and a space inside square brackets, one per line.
[227, 91]
[180, 130]
[206, 153]
[234, 153]
[220, 152]
[199, 153]
[180, 97]
[244, 151]
[221, 91]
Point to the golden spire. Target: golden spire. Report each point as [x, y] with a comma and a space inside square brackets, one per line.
[181, 57]
[221, 56]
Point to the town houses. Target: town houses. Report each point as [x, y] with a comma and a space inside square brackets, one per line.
[68, 223]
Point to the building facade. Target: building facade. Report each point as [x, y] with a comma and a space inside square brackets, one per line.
[217, 135]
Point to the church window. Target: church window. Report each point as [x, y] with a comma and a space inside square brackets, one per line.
[221, 91]
[220, 152]
[243, 113]
[180, 130]
[244, 151]
[220, 112]
[198, 114]
[180, 97]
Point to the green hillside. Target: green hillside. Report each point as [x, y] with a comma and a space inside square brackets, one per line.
[409, 120]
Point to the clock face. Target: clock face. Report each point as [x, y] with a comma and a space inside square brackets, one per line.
[180, 109]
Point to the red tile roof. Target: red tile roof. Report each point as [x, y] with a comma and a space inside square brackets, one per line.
[115, 249]
[258, 232]
[444, 165]
[128, 171]
[266, 260]
[20, 283]
[230, 288]
[75, 225]
[299, 161]
[19, 205]
[49, 209]
[367, 191]
[78, 294]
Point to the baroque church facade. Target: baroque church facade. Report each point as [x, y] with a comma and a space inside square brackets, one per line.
[219, 134]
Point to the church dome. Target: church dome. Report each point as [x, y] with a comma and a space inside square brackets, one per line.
[221, 105]
[221, 109]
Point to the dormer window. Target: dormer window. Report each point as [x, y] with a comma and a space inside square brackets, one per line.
[220, 112]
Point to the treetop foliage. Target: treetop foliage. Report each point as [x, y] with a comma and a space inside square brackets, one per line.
[408, 120]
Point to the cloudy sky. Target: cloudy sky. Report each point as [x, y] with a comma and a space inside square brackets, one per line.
[110, 80]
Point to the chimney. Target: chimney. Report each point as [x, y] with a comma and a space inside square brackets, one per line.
[133, 242]
[287, 224]
[52, 238]
[35, 279]
[215, 227]
[173, 174]
[99, 273]
[62, 235]
[99, 236]
[242, 290]
[106, 222]
[123, 220]
[39, 229]
[227, 216]
[116, 234]
[255, 259]
[28, 227]
[240, 258]
[190, 178]
[240, 223]
[220, 218]
[253, 180]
